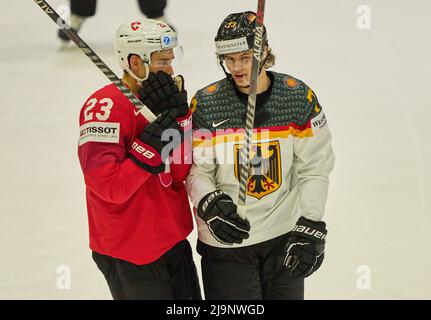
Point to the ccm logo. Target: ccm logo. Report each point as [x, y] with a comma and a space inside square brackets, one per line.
[141, 150]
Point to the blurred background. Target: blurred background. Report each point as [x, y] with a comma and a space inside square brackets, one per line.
[367, 61]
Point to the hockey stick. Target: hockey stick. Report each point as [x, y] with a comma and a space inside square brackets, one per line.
[95, 59]
[251, 107]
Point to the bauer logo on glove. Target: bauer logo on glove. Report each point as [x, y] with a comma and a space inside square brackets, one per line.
[305, 250]
[220, 214]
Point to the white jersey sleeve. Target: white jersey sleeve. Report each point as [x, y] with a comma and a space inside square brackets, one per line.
[313, 161]
[201, 179]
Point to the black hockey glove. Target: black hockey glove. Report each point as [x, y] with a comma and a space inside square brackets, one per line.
[160, 92]
[219, 212]
[305, 249]
[146, 151]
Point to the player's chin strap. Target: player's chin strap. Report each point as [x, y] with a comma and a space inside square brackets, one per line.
[220, 61]
[134, 76]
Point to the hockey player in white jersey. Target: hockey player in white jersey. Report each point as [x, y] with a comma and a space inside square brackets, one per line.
[282, 240]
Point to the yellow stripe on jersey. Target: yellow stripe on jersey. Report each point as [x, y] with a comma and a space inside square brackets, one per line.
[229, 136]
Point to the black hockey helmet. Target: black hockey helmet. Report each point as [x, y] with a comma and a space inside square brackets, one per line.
[236, 33]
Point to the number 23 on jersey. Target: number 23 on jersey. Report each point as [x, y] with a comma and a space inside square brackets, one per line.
[98, 109]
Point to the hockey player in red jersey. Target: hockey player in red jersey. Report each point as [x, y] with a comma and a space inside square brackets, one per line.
[138, 211]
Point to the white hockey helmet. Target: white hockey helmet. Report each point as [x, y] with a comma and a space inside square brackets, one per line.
[143, 37]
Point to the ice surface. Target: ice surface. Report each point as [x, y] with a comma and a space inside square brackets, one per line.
[373, 85]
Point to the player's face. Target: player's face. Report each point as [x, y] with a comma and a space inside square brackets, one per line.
[239, 66]
[162, 61]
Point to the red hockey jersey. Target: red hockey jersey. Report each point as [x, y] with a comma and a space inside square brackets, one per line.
[133, 215]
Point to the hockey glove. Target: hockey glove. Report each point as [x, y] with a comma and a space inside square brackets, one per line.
[160, 92]
[146, 151]
[219, 212]
[305, 249]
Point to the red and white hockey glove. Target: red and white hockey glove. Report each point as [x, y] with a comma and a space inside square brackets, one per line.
[305, 250]
[149, 151]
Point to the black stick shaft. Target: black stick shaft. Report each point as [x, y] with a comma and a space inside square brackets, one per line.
[251, 107]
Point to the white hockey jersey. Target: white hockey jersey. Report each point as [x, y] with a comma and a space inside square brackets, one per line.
[291, 156]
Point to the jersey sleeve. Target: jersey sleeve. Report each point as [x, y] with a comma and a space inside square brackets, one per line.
[201, 179]
[105, 129]
[313, 162]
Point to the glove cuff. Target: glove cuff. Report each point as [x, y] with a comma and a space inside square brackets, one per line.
[185, 122]
[309, 229]
[146, 157]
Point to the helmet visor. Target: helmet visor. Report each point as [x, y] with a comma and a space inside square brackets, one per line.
[167, 58]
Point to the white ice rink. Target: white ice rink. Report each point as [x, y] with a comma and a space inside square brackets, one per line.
[373, 85]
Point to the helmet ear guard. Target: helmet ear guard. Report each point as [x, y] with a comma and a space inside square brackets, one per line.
[134, 76]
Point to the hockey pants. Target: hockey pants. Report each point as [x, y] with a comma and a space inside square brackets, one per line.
[248, 273]
[171, 277]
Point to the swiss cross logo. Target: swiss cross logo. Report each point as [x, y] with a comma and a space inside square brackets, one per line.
[135, 25]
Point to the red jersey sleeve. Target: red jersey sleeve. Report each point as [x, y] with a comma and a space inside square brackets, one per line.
[105, 133]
